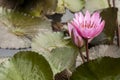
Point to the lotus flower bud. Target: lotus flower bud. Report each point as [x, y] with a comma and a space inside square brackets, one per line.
[77, 39]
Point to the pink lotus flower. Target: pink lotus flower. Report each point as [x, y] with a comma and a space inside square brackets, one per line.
[88, 26]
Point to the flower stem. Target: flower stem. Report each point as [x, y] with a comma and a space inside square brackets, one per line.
[109, 3]
[113, 1]
[87, 51]
[81, 55]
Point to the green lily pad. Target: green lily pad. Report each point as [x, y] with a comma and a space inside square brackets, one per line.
[105, 68]
[62, 58]
[26, 65]
[56, 50]
[47, 41]
[110, 17]
[60, 7]
[93, 5]
[72, 5]
[19, 28]
[23, 22]
[35, 8]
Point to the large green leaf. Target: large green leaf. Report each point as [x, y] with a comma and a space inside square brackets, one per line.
[75, 5]
[17, 28]
[26, 66]
[41, 7]
[26, 24]
[93, 5]
[60, 7]
[110, 17]
[23, 20]
[47, 41]
[32, 7]
[62, 58]
[72, 5]
[56, 50]
[105, 68]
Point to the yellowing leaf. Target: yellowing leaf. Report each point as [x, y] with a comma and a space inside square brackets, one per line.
[72, 5]
[93, 5]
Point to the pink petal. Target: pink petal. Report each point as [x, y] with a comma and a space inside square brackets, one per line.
[81, 18]
[77, 39]
[87, 19]
[77, 16]
[101, 27]
[76, 22]
[88, 33]
[95, 18]
[99, 21]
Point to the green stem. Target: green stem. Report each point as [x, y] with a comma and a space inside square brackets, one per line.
[113, 1]
[87, 51]
[109, 3]
[81, 55]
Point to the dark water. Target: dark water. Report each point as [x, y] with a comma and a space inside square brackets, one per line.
[9, 53]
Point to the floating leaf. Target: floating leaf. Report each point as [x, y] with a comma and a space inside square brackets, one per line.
[11, 41]
[47, 41]
[20, 28]
[56, 50]
[60, 7]
[73, 6]
[32, 7]
[61, 59]
[93, 5]
[41, 7]
[26, 65]
[105, 68]
[110, 17]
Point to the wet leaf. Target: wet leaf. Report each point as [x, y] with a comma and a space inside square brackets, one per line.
[11, 41]
[110, 17]
[26, 65]
[60, 7]
[99, 69]
[47, 41]
[73, 6]
[93, 5]
[32, 7]
[61, 59]
[18, 28]
[56, 50]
